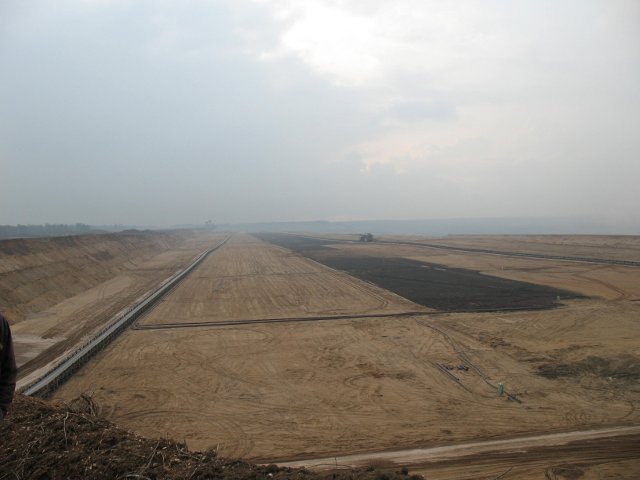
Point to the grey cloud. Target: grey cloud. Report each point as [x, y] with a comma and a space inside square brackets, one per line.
[420, 110]
[163, 113]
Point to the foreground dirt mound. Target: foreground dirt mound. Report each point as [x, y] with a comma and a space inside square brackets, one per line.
[45, 441]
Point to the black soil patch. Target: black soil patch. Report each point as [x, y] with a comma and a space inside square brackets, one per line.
[428, 284]
[625, 367]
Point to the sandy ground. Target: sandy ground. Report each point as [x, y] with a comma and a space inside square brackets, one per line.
[303, 390]
[249, 279]
[592, 246]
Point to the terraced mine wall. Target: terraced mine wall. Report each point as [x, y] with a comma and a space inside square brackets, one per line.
[51, 380]
[36, 273]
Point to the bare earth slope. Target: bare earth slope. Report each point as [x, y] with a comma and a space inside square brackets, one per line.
[56, 291]
[38, 273]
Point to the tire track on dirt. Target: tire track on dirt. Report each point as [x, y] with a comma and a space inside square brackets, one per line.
[341, 278]
[458, 452]
[622, 294]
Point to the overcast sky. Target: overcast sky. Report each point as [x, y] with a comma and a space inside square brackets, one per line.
[163, 112]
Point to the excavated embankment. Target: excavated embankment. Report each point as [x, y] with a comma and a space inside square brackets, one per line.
[57, 292]
[36, 273]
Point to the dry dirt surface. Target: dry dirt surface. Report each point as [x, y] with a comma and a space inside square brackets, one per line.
[575, 453]
[249, 279]
[618, 247]
[304, 389]
[57, 291]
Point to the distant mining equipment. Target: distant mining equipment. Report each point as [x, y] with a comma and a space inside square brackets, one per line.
[366, 237]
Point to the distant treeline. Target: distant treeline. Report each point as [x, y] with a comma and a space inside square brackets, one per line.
[46, 230]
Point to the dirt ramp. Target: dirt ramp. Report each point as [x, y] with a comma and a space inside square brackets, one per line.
[38, 273]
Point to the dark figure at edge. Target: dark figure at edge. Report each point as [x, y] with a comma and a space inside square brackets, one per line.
[8, 369]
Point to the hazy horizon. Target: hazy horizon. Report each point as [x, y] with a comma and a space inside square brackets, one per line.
[429, 227]
[170, 113]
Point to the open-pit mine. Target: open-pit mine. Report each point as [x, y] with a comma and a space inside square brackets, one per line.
[459, 357]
